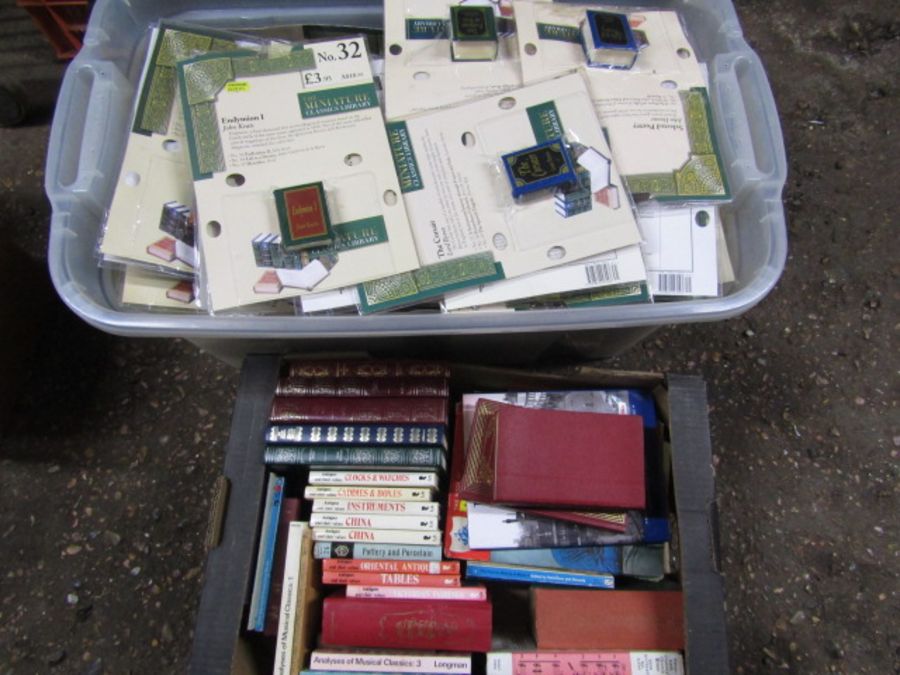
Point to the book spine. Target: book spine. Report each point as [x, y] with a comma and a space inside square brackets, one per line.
[364, 551]
[391, 579]
[363, 409]
[379, 522]
[407, 624]
[345, 434]
[367, 493]
[526, 575]
[377, 536]
[536, 663]
[365, 368]
[419, 479]
[385, 387]
[259, 596]
[417, 592]
[312, 455]
[290, 511]
[288, 609]
[371, 506]
[391, 566]
[439, 664]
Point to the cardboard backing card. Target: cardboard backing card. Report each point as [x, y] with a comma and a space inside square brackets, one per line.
[656, 115]
[151, 218]
[145, 288]
[420, 73]
[680, 250]
[459, 198]
[257, 125]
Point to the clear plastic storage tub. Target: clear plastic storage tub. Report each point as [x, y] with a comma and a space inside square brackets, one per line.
[87, 143]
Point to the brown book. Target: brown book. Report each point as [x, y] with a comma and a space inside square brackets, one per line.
[602, 619]
[361, 409]
[366, 368]
[386, 387]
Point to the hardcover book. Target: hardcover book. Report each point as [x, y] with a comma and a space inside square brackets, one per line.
[391, 566]
[265, 553]
[290, 512]
[647, 562]
[583, 619]
[348, 433]
[417, 479]
[537, 575]
[367, 369]
[407, 624]
[374, 521]
[364, 492]
[358, 457]
[537, 457]
[346, 534]
[407, 386]
[408, 410]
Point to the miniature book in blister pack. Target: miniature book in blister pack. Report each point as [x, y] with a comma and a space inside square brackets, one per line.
[303, 122]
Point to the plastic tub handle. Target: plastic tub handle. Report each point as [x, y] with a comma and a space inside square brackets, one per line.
[743, 97]
[91, 104]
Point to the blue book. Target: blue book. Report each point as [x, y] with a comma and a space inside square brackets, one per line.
[535, 575]
[433, 435]
[643, 562]
[259, 600]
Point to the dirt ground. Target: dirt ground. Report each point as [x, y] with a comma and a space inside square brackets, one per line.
[112, 445]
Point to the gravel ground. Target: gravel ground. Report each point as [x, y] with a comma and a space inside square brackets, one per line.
[111, 445]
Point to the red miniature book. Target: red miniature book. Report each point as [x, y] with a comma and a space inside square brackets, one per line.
[446, 625]
[625, 620]
[554, 458]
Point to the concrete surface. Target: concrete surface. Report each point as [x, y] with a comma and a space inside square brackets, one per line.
[112, 445]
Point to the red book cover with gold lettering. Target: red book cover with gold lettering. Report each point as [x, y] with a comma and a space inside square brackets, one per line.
[554, 458]
[446, 625]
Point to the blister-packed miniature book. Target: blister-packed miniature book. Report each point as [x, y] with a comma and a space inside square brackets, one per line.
[656, 113]
[296, 189]
[441, 52]
[523, 180]
[151, 218]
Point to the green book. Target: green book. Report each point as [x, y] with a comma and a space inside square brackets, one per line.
[473, 33]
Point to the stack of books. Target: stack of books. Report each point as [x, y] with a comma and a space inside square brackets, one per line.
[366, 444]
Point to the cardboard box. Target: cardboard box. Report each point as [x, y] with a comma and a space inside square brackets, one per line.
[220, 647]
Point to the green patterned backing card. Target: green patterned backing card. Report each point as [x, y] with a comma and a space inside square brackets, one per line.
[428, 282]
[160, 86]
[611, 295]
[545, 122]
[702, 175]
[203, 77]
[557, 33]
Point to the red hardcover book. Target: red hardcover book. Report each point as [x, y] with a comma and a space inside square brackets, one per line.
[366, 368]
[391, 579]
[445, 625]
[456, 541]
[590, 619]
[386, 387]
[290, 511]
[390, 566]
[556, 458]
[365, 409]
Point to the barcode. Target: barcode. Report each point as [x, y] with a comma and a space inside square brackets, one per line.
[670, 282]
[601, 273]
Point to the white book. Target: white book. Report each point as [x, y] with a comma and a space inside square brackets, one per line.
[287, 613]
[421, 479]
[636, 663]
[376, 521]
[432, 537]
[368, 492]
[375, 506]
[390, 662]
[417, 592]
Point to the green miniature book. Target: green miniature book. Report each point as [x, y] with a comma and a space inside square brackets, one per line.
[473, 32]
